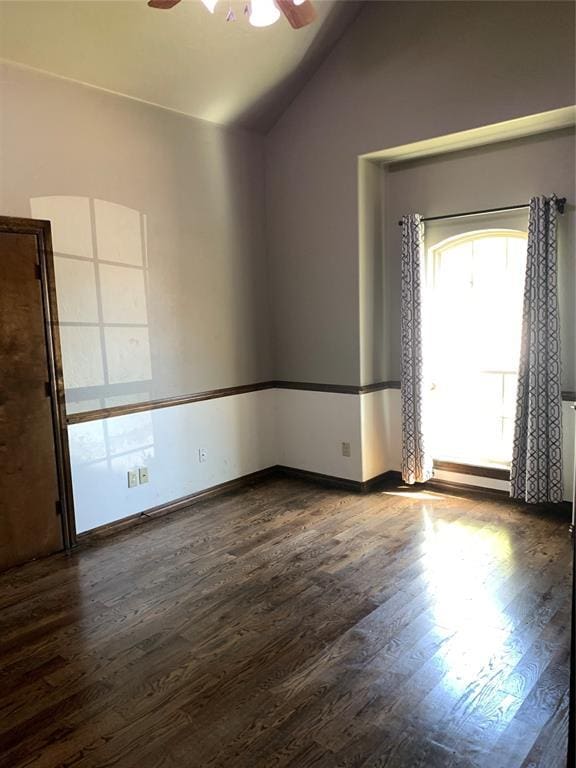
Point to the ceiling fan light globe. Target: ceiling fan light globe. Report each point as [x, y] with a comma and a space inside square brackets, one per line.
[210, 4]
[263, 13]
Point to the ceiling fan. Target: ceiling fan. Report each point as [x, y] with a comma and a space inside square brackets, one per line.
[261, 13]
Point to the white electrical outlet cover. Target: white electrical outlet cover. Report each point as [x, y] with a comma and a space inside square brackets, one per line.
[132, 478]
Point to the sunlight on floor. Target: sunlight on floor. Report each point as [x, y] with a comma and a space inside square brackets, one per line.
[418, 495]
[460, 561]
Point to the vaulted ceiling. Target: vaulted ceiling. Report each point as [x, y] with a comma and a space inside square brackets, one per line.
[185, 59]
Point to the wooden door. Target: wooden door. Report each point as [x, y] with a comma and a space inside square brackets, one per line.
[30, 477]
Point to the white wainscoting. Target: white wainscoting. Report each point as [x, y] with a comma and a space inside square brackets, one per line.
[382, 447]
[311, 427]
[238, 433]
[568, 424]
[381, 432]
[243, 434]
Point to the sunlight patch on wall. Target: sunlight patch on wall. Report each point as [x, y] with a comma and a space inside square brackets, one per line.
[102, 291]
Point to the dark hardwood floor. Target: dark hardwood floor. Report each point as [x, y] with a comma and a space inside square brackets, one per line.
[290, 625]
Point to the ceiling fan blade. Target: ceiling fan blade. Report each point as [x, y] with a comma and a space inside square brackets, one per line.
[298, 15]
[163, 4]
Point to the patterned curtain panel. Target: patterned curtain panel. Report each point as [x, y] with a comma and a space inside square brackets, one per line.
[536, 472]
[416, 463]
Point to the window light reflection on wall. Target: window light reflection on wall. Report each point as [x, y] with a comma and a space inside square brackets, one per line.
[101, 265]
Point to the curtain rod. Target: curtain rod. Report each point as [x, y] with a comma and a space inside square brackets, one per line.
[560, 206]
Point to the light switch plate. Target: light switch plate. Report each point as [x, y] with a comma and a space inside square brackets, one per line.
[132, 478]
[202, 455]
[346, 450]
[143, 475]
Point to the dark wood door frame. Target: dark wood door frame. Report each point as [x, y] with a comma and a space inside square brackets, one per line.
[42, 232]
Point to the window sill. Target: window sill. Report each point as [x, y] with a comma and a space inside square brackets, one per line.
[496, 473]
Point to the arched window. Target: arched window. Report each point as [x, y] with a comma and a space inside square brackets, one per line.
[472, 341]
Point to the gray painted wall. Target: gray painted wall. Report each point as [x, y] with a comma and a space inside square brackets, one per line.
[403, 72]
[199, 189]
[487, 177]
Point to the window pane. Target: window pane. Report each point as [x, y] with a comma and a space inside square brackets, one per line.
[472, 344]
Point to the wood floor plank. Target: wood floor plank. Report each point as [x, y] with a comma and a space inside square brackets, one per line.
[293, 626]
